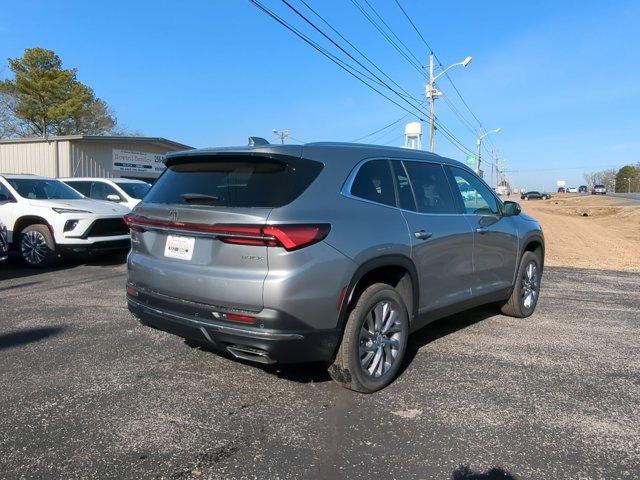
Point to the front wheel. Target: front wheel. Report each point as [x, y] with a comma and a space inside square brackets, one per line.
[37, 247]
[374, 341]
[524, 298]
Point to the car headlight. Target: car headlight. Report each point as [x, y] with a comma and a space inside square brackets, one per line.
[69, 210]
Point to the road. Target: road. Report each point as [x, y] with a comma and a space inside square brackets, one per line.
[89, 393]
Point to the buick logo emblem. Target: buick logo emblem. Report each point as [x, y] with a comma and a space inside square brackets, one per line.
[173, 215]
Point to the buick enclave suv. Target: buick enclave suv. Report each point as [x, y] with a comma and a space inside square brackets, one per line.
[324, 252]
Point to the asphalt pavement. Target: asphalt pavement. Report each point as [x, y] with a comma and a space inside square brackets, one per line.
[87, 392]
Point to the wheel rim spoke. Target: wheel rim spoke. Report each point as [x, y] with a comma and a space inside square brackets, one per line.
[380, 339]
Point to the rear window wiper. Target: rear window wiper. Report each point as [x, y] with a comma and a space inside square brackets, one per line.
[200, 198]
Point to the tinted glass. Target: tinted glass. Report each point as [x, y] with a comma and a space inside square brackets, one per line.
[374, 182]
[43, 189]
[476, 197]
[405, 192]
[134, 189]
[5, 194]
[82, 187]
[431, 188]
[234, 182]
[100, 191]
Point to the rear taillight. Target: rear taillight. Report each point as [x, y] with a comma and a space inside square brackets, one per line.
[289, 236]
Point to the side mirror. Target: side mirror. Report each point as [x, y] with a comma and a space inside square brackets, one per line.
[114, 198]
[6, 199]
[511, 209]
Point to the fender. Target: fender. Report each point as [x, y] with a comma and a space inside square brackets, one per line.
[368, 266]
[533, 236]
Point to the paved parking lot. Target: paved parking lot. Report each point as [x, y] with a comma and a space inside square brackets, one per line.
[86, 392]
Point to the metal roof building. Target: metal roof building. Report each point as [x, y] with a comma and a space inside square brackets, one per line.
[87, 156]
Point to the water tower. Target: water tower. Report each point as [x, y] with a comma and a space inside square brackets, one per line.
[413, 135]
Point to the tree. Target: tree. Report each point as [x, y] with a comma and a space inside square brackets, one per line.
[628, 179]
[45, 99]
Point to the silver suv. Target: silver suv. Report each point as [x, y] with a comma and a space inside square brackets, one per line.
[324, 252]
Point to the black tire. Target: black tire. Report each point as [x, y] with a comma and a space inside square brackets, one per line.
[516, 305]
[46, 254]
[347, 368]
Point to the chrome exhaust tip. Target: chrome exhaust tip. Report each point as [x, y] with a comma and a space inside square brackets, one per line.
[251, 354]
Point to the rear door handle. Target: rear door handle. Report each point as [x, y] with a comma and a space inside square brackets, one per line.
[481, 230]
[422, 235]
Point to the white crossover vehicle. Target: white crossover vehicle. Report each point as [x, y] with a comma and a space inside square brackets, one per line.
[45, 219]
[125, 191]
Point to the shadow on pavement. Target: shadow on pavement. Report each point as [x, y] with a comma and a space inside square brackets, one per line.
[443, 327]
[22, 337]
[317, 372]
[465, 473]
[14, 268]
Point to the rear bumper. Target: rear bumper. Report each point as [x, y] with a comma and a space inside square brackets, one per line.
[96, 247]
[251, 343]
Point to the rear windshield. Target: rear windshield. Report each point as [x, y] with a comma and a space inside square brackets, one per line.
[43, 189]
[134, 189]
[234, 182]
[598, 186]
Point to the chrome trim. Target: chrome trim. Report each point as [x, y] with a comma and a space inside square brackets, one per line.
[219, 328]
[191, 233]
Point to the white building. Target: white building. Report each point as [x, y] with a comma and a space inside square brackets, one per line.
[87, 156]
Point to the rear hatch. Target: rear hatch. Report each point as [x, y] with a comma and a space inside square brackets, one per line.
[198, 236]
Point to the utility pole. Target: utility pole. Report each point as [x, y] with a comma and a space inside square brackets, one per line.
[282, 134]
[431, 92]
[479, 144]
[629, 180]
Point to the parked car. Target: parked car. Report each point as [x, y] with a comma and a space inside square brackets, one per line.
[583, 189]
[4, 243]
[324, 252]
[599, 190]
[46, 218]
[561, 190]
[534, 195]
[572, 190]
[125, 191]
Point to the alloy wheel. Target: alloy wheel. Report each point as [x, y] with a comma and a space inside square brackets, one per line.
[380, 339]
[530, 285]
[33, 247]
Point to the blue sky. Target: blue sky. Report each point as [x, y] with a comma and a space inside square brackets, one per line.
[562, 79]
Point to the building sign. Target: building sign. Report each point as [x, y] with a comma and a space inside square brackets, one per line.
[561, 183]
[141, 162]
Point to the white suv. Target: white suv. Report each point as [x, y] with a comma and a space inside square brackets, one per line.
[45, 218]
[125, 191]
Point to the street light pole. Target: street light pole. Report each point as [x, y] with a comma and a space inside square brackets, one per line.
[432, 92]
[281, 134]
[479, 144]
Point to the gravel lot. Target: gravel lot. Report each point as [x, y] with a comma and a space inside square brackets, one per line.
[89, 393]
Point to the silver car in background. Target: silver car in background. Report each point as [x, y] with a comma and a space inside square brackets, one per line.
[324, 252]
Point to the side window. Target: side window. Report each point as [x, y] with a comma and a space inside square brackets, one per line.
[476, 197]
[405, 192]
[83, 187]
[5, 194]
[374, 182]
[431, 188]
[100, 191]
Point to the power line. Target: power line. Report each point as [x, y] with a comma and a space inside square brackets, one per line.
[439, 63]
[381, 129]
[349, 69]
[357, 73]
[393, 33]
[356, 49]
[316, 28]
[415, 65]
